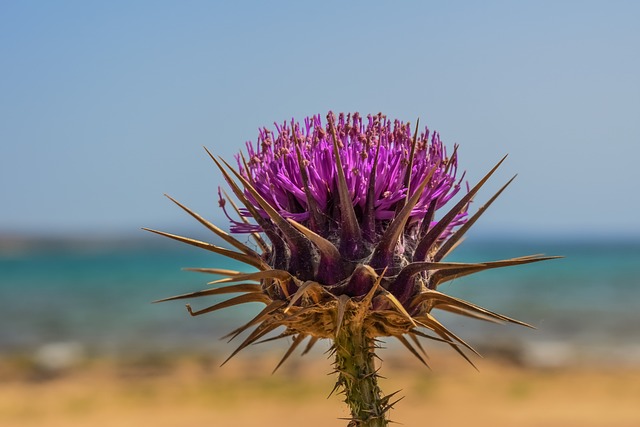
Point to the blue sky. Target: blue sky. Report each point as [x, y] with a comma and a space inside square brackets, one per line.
[105, 106]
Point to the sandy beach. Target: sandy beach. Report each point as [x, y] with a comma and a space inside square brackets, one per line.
[175, 391]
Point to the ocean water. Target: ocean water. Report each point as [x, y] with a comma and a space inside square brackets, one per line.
[98, 295]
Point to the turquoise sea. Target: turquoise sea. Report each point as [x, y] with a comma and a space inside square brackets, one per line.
[96, 294]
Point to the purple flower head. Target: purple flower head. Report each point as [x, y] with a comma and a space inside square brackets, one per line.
[352, 219]
[294, 170]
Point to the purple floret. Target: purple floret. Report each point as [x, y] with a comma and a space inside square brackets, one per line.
[273, 168]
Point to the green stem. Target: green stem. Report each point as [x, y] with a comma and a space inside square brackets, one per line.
[354, 353]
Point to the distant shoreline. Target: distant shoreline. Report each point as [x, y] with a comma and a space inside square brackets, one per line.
[144, 239]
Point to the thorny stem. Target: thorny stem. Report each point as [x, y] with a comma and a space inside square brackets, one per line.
[354, 353]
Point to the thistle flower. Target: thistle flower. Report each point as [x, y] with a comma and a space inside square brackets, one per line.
[349, 243]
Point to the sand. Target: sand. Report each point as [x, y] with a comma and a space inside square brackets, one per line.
[192, 390]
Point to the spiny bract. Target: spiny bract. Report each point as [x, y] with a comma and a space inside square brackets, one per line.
[348, 209]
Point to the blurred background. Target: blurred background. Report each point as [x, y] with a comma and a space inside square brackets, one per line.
[106, 106]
